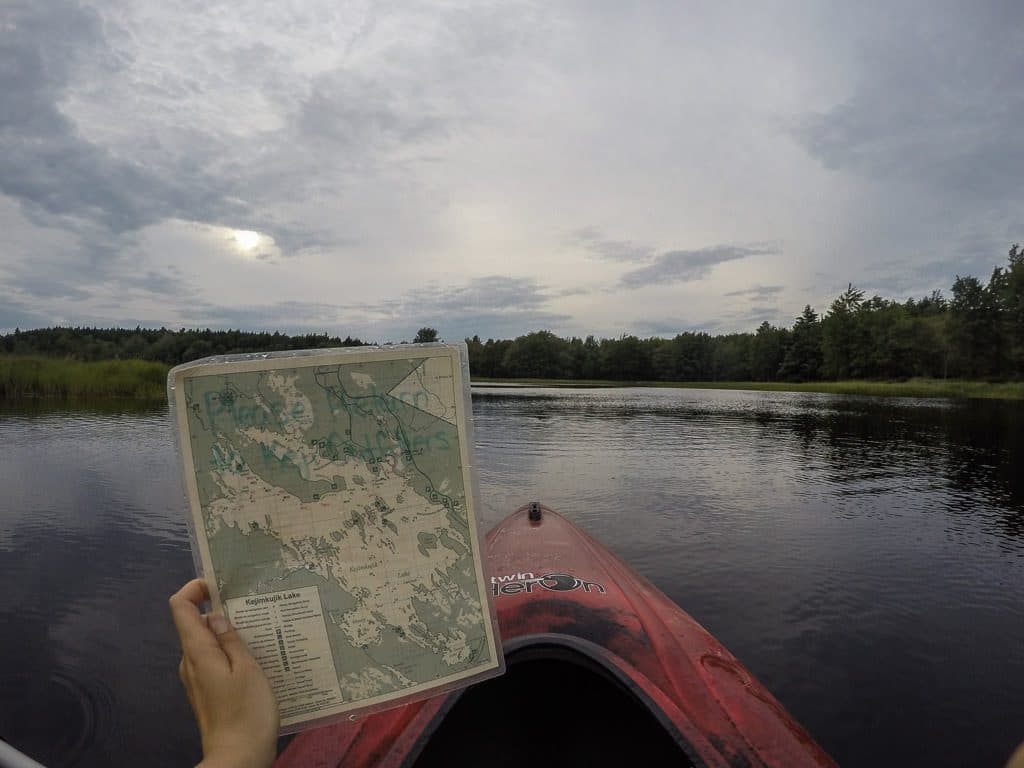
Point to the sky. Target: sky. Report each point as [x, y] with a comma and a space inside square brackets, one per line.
[495, 168]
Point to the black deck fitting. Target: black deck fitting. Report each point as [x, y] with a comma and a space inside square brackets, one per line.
[534, 513]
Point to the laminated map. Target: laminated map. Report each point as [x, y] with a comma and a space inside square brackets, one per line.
[333, 517]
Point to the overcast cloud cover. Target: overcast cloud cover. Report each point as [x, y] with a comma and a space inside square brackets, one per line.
[498, 167]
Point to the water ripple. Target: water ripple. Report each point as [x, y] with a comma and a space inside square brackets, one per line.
[56, 718]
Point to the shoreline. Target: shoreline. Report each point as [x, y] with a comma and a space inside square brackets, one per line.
[34, 378]
[920, 388]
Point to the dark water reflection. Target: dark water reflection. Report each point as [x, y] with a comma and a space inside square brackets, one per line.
[92, 539]
[865, 558]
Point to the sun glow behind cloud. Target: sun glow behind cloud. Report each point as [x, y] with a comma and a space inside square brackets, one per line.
[250, 245]
[246, 240]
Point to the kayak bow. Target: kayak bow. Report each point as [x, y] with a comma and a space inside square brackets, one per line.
[601, 668]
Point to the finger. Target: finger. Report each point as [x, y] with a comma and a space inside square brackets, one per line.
[195, 591]
[230, 641]
[196, 639]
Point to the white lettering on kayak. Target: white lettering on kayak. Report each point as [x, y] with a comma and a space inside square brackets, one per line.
[511, 577]
[551, 582]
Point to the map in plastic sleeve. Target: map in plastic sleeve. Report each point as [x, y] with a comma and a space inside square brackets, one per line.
[333, 515]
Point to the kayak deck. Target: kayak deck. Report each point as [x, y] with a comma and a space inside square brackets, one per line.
[591, 644]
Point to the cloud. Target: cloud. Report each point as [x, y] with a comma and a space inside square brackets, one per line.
[16, 314]
[756, 315]
[687, 266]
[494, 293]
[970, 254]
[353, 112]
[938, 106]
[748, 318]
[491, 306]
[167, 283]
[275, 316]
[46, 163]
[669, 326]
[594, 241]
[382, 146]
[664, 327]
[45, 287]
[674, 266]
[758, 292]
[111, 269]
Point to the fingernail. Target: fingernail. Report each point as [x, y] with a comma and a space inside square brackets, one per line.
[219, 624]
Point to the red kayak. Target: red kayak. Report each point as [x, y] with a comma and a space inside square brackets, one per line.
[602, 669]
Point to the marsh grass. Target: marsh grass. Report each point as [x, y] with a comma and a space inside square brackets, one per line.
[23, 377]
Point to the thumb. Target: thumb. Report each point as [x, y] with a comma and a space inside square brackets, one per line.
[231, 642]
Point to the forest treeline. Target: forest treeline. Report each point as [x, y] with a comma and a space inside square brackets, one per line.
[975, 333]
[158, 345]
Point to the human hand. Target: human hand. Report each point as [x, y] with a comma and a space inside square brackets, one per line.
[230, 696]
[1017, 758]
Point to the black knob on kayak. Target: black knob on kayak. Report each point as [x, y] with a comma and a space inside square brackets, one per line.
[534, 513]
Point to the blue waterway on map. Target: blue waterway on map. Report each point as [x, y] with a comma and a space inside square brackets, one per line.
[863, 557]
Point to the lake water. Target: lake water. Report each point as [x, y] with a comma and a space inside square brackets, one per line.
[863, 557]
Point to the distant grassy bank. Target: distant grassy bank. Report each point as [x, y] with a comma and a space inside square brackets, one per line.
[23, 377]
[908, 388]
